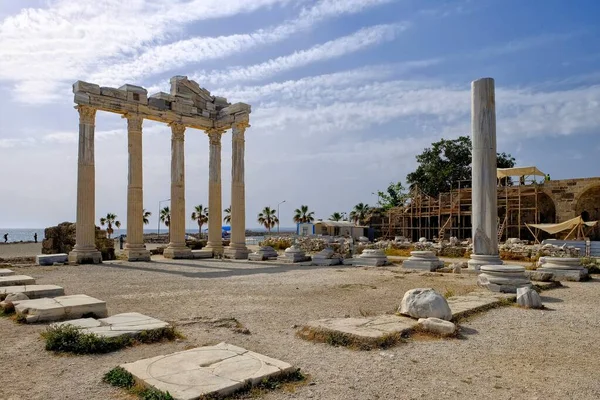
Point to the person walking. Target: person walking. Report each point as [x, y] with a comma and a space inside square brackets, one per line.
[5, 237]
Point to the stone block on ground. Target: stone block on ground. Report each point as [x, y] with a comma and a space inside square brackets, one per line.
[264, 253]
[529, 298]
[16, 280]
[14, 297]
[32, 291]
[50, 259]
[564, 268]
[326, 257]
[210, 370]
[60, 308]
[503, 278]
[6, 272]
[126, 324]
[293, 254]
[423, 260]
[425, 303]
[437, 326]
[198, 254]
[464, 305]
[540, 276]
[371, 258]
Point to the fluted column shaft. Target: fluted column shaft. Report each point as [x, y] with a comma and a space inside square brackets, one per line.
[134, 248]
[85, 239]
[215, 242]
[237, 247]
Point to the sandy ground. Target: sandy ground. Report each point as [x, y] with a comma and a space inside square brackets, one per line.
[507, 353]
[8, 250]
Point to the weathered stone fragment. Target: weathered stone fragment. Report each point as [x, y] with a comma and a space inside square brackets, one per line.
[50, 259]
[437, 326]
[527, 297]
[503, 278]
[81, 86]
[425, 303]
[60, 308]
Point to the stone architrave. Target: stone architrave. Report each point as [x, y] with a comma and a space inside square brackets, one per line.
[484, 198]
[503, 278]
[177, 247]
[237, 248]
[85, 251]
[372, 258]
[135, 250]
[293, 254]
[425, 260]
[215, 241]
[263, 253]
[326, 257]
[564, 268]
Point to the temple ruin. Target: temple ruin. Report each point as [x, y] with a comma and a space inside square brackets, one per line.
[187, 106]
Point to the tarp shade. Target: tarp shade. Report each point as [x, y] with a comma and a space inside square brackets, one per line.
[563, 226]
[518, 171]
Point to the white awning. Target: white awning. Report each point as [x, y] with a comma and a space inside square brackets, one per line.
[563, 226]
[518, 171]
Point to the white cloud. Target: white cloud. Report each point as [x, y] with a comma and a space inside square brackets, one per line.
[359, 40]
[60, 137]
[14, 142]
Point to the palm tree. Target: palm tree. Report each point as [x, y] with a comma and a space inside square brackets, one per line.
[200, 215]
[109, 220]
[268, 218]
[145, 216]
[165, 217]
[336, 216]
[360, 213]
[302, 215]
[227, 218]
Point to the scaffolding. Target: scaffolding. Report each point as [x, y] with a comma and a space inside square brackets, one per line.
[449, 214]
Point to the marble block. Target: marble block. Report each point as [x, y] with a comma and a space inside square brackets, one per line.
[326, 257]
[293, 255]
[425, 260]
[49, 259]
[564, 268]
[32, 291]
[477, 260]
[126, 324]
[6, 272]
[371, 258]
[263, 253]
[368, 328]
[16, 280]
[206, 371]
[60, 308]
[503, 278]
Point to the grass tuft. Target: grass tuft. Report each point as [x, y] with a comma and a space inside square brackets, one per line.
[119, 377]
[69, 339]
[353, 342]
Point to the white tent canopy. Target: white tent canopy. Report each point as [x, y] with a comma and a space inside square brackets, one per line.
[518, 171]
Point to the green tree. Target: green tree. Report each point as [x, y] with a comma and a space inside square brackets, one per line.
[145, 216]
[360, 213]
[268, 218]
[227, 218]
[200, 215]
[302, 215]
[109, 221]
[165, 217]
[447, 162]
[394, 196]
[336, 216]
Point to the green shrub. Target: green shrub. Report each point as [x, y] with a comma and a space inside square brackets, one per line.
[119, 377]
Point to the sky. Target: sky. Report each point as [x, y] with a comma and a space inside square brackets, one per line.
[344, 94]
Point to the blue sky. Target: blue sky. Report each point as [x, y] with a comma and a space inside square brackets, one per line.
[344, 93]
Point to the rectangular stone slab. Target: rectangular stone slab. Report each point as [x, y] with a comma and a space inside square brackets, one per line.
[220, 369]
[126, 324]
[16, 280]
[60, 308]
[6, 272]
[368, 328]
[49, 259]
[32, 291]
[474, 302]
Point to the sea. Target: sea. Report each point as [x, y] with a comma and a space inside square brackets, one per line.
[16, 235]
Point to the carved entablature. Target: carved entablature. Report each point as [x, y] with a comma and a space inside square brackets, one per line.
[187, 104]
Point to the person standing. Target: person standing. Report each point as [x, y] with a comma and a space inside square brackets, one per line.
[5, 237]
[35, 237]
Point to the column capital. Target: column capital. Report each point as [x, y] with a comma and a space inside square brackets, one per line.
[214, 135]
[177, 130]
[134, 122]
[241, 125]
[87, 114]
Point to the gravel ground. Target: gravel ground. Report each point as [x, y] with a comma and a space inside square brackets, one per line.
[506, 353]
[8, 250]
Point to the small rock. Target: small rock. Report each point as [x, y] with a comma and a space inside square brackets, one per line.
[529, 298]
[541, 276]
[457, 267]
[16, 297]
[425, 303]
[437, 326]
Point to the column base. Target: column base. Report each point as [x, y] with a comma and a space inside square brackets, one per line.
[477, 260]
[239, 252]
[85, 256]
[137, 253]
[177, 252]
[216, 248]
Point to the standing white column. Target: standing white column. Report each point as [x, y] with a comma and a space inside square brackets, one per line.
[135, 248]
[484, 196]
[85, 242]
[177, 247]
[215, 241]
[237, 248]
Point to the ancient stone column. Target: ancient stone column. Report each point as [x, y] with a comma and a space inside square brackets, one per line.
[85, 241]
[215, 242]
[135, 248]
[237, 248]
[484, 193]
[177, 247]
